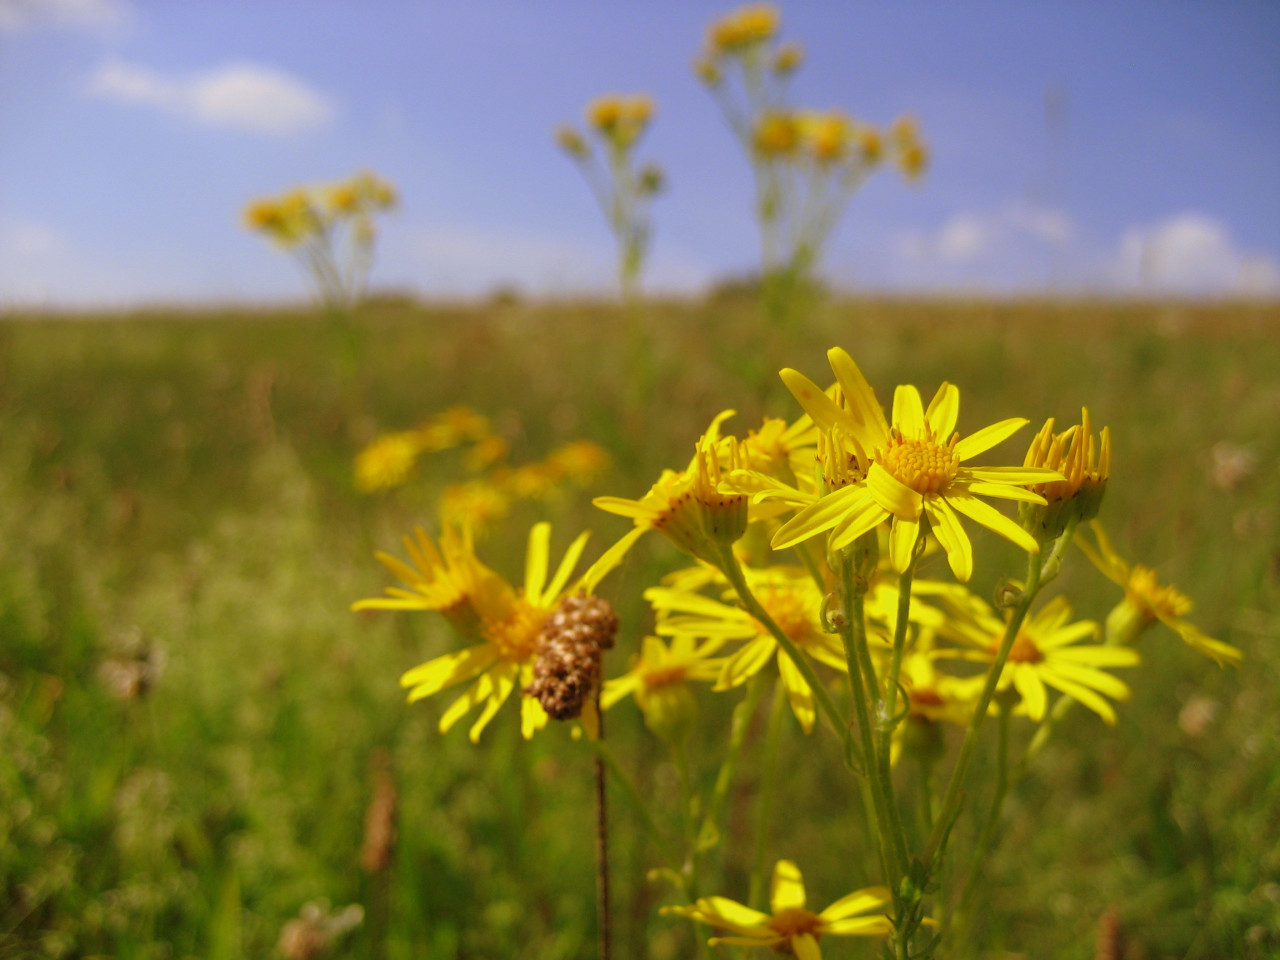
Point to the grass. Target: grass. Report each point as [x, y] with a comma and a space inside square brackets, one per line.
[175, 490]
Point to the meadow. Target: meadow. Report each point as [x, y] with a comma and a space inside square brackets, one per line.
[194, 725]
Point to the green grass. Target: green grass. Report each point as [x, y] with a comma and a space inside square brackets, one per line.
[179, 486]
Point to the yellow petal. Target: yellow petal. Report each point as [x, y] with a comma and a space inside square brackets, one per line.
[532, 717]
[860, 901]
[799, 695]
[788, 887]
[864, 408]
[723, 912]
[988, 437]
[565, 570]
[908, 410]
[465, 703]
[856, 522]
[1091, 677]
[892, 494]
[1005, 491]
[902, 542]
[746, 662]
[504, 681]
[805, 947]
[435, 675]
[623, 507]
[610, 559]
[821, 515]
[944, 410]
[1031, 689]
[1021, 475]
[1083, 695]
[814, 399]
[946, 527]
[535, 561]
[993, 519]
[862, 926]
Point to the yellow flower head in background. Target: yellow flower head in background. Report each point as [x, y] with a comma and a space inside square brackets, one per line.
[788, 59]
[1146, 602]
[790, 928]
[659, 680]
[827, 135]
[580, 461]
[916, 470]
[910, 152]
[507, 621]
[1046, 652]
[777, 134]
[620, 120]
[475, 503]
[388, 461]
[742, 29]
[793, 602]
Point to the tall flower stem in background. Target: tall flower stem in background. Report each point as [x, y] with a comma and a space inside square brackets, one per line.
[623, 192]
[603, 919]
[806, 164]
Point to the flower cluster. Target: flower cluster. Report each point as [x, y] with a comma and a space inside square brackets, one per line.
[623, 189]
[807, 163]
[330, 229]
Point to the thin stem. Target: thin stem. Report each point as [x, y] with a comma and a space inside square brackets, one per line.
[986, 838]
[951, 799]
[742, 715]
[893, 848]
[764, 813]
[602, 849]
[633, 796]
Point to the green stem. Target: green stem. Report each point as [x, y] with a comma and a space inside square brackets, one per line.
[742, 715]
[689, 802]
[951, 799]
[764, 813]
[633, 796]
[853, 632]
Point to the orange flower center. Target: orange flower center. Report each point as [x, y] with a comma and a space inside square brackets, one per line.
[924, 465]
[1145, 592]
[515, 637]
[793, 921]
[664, 676]
[789, 611]
[1024, 650]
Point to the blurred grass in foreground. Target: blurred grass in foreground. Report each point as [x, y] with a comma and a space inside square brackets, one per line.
[190, 718]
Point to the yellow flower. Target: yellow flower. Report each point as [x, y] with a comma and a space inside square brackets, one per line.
[789, 928]
[1146, 602]
[776, 134]
[507, 620]
[621, 120]
[912, 155]
[1085, 469]
[826, 135]
[792, 601]
[1045, 653]
[476, 503]
[581, 461]
[689, 508]
[913, 470]
[743, 28]
[659, 680]
[387, 461]
[789, 58]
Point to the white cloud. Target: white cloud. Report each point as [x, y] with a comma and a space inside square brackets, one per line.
[20, 15]
[1192, 254]
[240, 96]
[968, 237]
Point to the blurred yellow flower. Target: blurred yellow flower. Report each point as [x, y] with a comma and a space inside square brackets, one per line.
[508, 621]
[790, 928]
[388, 461]
[1046, 652]
[1085, 468]
[1146, 602]
[476, 503]
[659, 680]
[792, 601]
[741, 29]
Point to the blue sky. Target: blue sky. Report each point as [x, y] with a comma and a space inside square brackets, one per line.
[133, 131]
